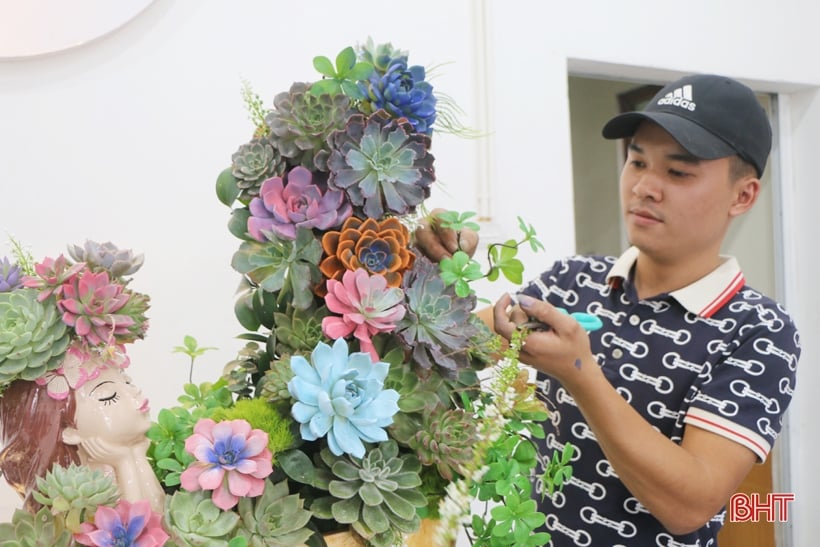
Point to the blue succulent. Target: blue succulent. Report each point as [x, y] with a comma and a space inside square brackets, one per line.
[403, 93]
[9, 276]
[341, 395]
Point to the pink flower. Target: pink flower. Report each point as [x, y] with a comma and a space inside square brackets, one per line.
[90, 304]
[232, 460]
[52, 276]
[126, 525]
[367, 307]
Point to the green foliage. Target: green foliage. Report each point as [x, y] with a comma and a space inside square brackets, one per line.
[191, 348]
[343, 77]
[276, 518]
[559, 470]
[40, 530]
[461, 270]
[263, 416]
[174, 425]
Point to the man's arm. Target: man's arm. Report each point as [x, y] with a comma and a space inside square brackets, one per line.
[684, 485]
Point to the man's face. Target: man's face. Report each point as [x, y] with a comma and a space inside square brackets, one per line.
[675, 206]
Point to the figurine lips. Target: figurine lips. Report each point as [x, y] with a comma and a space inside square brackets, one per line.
[144, 407]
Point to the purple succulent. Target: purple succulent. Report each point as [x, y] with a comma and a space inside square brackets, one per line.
[402, 91]
[9, 276]
[295, 201]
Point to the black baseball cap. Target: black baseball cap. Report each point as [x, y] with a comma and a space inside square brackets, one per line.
[710, 116]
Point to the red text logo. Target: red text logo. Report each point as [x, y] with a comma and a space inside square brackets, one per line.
[753, 508]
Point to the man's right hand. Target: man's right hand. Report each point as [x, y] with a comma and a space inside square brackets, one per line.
[437, 242]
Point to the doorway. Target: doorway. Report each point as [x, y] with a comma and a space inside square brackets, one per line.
[596, 166]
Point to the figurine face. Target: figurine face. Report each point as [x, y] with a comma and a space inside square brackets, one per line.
[110, 408]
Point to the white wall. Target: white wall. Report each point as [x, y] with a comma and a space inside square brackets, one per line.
[122, 138]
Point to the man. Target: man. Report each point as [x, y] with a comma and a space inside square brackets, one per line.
[683, 389]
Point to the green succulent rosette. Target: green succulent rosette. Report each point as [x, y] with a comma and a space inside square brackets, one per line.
[33, 337]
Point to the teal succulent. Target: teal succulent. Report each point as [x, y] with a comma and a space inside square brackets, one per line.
[287, 267]
[446, 439]
[40, 530]
[107, 256]
[301, 122]
[378, 495]
[191, 518]
[75, 491]
[275, 518]
[381, 55]
[382, 164]
[253, 163]
[438, 327]
[33, 337]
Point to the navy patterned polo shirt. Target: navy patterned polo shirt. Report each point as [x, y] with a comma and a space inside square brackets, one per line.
[716, 355]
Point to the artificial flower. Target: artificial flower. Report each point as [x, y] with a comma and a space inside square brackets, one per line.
[90, 302]
[382, 164]
[341, 396]
[9, 276]
[52, 276]
[76, 369]
[232, 460]
[403, 93]
[377, 246]
[107, 256]
[126, 525]
[366, 306]
[33, 336]
[294, 201]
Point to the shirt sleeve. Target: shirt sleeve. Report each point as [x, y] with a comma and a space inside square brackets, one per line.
[747, 389]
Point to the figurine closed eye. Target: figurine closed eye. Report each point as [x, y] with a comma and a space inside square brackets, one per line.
[100, 423]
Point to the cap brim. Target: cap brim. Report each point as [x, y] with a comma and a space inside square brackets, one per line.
[693, 138]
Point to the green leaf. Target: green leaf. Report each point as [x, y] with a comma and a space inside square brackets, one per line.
[345, 61]
[325, 87]
[361, 71]
[323, 65]
[238, 223]
[227, 190]
[297, 465]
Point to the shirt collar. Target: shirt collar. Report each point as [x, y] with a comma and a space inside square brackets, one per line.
[703, 297]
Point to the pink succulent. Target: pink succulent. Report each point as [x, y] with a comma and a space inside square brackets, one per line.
[90, 302]
[232, 460]
[366, 305]
[126, 525]
[52, 275]
[282, 207]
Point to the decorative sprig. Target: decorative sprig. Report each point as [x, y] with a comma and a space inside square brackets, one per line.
[503, 459]
[23, 257]
[460, 270]
[191, 348]
[256, 109]
[341, 77]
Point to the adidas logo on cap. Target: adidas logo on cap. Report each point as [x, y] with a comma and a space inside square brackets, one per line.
[681, 97]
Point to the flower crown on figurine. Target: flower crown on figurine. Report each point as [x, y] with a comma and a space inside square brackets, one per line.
[62, 320]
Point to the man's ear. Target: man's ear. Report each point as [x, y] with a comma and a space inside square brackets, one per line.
[71, 436]
[746, 192]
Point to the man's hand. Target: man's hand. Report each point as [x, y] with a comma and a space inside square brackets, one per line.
[437, 242]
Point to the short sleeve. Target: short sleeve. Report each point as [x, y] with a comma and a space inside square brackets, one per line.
[749, 386]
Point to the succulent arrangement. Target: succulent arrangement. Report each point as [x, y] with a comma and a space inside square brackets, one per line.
[357, 402]
[366, 353]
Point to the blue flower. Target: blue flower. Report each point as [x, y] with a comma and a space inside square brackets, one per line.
[9, 276]
[402, 92]
[342, 395]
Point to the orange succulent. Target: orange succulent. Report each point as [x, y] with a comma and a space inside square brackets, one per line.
[377, 246]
